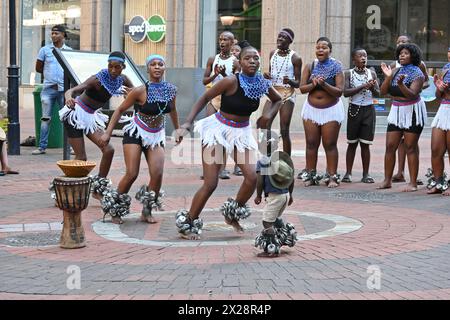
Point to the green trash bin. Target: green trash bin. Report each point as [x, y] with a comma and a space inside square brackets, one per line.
[56, 133]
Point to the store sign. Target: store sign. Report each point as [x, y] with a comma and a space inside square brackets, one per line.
[154, 28]
[157, 28]
[136, 29]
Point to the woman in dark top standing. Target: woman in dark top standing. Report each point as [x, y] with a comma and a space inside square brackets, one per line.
[323, 113]
[82, 115]
[229, 130]
[440, 138]
[145, 132]
[408, 113]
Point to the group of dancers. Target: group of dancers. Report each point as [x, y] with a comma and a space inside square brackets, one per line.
[236, 89]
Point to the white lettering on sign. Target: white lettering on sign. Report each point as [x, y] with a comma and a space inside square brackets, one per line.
[160, 28]
[139, 29]
[374, 21]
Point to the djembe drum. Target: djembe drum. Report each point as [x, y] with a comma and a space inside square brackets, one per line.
[72, 196]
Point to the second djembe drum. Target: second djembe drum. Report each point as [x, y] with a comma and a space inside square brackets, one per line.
[72, 196]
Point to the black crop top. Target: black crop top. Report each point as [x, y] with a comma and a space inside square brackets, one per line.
[238, 104]
[101, 95]
[154, 108]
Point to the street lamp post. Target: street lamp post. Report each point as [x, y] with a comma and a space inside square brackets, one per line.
[13, 86]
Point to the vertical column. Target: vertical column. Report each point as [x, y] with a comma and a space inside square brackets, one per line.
[303, 17]
[182, 33]
[95, 25]
[338, 28]
[4, 49]
[309, 19]
[208, 32]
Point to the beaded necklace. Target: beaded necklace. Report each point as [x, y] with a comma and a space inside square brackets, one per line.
[112, 85]
[254, 87]
[160, 92]
[327, 69]
[279, 69]
[361, 78]
[412, 73]
[224, 57]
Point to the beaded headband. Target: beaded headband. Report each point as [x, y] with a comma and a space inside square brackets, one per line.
[116, 59]
[287, 34]
[154, 56]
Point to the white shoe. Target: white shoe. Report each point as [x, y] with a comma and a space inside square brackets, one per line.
[38, 151]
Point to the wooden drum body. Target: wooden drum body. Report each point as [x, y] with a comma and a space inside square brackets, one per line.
[72, 196]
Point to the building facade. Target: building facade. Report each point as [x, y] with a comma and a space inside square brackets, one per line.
[190, 28]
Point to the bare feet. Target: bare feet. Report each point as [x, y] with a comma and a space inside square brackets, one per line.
[446, 193]
[148, 219]
[235, 224]
[97, 196]
[410, 188]
[398, 178]
[385, 185]
[434, 191]
[267, 255]
[190, 236]
[333, 184]
[117, 220]
[309, 184]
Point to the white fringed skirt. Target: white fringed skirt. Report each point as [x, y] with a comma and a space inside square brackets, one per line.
[84, 118]
[217, 130]
[401, 113]
[150, 137]
[321, 116]
[442, 118]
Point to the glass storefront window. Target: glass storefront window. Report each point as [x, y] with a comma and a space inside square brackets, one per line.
[375, 27]
[429, 27]
[378, 23]
[243, 18]
[38, 17]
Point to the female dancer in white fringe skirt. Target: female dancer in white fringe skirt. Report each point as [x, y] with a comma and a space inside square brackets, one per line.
[323, 113]
[408, 113]
[229, 130]
[440, 138]
[145, 132]
[82, 115]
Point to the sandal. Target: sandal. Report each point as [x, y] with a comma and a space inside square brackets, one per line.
[367, 179]
[347, 178]
[10, 172]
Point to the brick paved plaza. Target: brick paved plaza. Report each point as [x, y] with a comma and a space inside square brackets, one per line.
[347, 237]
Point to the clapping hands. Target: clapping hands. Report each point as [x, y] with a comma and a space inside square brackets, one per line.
[440, 84]
[387, 70]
